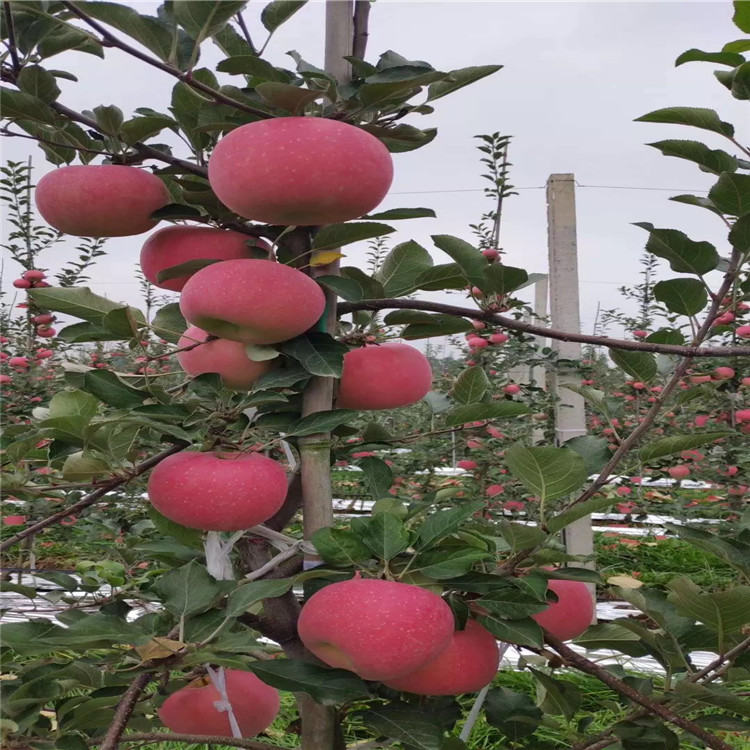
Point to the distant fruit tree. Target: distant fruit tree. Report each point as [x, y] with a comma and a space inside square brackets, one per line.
[256, 176]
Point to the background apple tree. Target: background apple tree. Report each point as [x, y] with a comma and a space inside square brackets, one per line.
[94, 406]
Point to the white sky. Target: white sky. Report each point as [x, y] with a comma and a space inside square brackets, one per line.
[576, 75]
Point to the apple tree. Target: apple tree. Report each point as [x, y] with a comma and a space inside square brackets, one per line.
[255, 176]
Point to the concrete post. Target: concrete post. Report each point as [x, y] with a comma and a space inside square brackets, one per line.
[570, 418]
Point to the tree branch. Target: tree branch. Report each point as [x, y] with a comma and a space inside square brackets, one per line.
[11, 29]
[124, 709]
[198, 739]
[519, 325]
[653, 707]
[361, 19]
[185, 77]
[92, 497]
[246, 33]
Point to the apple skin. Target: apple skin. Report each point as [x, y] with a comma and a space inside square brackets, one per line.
[252, 301]
[465, 666]
[100, 200]
[175, 245]
[191, 709]
[227, 358]
[300, 171]
[217, 492]
[383, 376]
[681, 471]
[381, 630]
[571, 614]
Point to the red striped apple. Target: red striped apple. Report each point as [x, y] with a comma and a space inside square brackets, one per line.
[227, 358]
[253, 301]
[381, 630]
[465, 666]
[175, 245]
[383, 376]
[105, 200]
[217, 491]
[191, 709]
[300, 171]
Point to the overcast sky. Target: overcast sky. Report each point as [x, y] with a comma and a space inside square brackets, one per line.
[575, 76]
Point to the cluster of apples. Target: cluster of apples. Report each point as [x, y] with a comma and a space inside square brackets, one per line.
[290, 171]
[405, 637]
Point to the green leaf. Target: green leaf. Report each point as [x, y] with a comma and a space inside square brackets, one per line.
[252, 65]
[126, 322]
[411, 725]
[16, 105]
[640, 365]
[326, 686]
[443, 523]
[441, 564]
[78, 467]
[168, 323]
[335, 236]
[459, 78]
[684, 255]
[521, 632]
[490, 410]
[547, 472]
[248, 594]
[402, 267]
[442, 276]
[340, 547]
[731, 194]
[278, 12]
[470, 260]
[577, 511]
[470, 385]
[166, 527]
[385, 535]
[502, 279]
[732, 59]
[80, 302]
[721, 611]
[73, 404]
[520, 536]
[283, 377]
[321, 422]
[741, 17]
[739, 234]
[347, 289]
[694, 200]
[107, 387]
[188, 590]
[714, 161]
[677, 443]
[438, 325]
[97, 631]
[732, 551]
[714, 695]
[371, 288]
[378, 476]
[741, 82]
[319, 353]
[556, 697]
[396, 214]
[593, 450]
[284, 96]
[698, 117]
[204, 19]
[38, 82]
[140, 129]
[514, 714]
[681, 296]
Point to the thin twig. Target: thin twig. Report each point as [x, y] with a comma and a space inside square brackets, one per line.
[125, 707]
[520, 325]
[653, 707]
[185, 77]
[198, 739]
[11, 37]
[246, 33]
[92, 497]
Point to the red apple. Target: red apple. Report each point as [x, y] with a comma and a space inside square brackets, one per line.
[253, 301]
[467, 465]
[14, 520]
[681, 471]
[175, 245]
[383, 376]
[217, 492]
[191, 709]
[477, 342]
[100, 201]
[468, 664]
[20, 363]
[743, 415]
[724, 373]
[743, 332]
[43, 320]
[491, 253]
[45, 332]
[512, 390]
[379, 629]
[498, 338]
[300, 171]
[571, 614]
[640, 334]
[494, 490]
[227, 358]
[5, 379]
[34, 275]
[22, 284]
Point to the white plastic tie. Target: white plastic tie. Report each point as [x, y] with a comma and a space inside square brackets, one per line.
[219, 681]
[218, 551]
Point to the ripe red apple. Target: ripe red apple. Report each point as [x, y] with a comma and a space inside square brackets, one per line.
[491, 253]
[465, 666]
[477, 342]
[300, 171]
[743, 332]
[383, 376]
[571, 614]
[14, 520]
[43, 320]
[100, 201]
[20, 363]
[681, 471]
[253, 301]
[22, 284]
[498, 338]
[45, 332]
[640, 334]
[175, 245]
[467, 465]
[191, 709]
[217, 491]
[34, 275]
[5, 379]
[512, 389]
[742, 415]
[381, 630]
[724, 320]
[227, 358]
[494, 490]
[724, 373]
